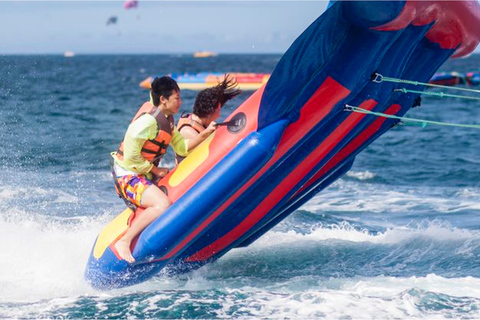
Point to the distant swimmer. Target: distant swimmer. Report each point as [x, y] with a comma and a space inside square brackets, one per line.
[206, 109]
[135, 164]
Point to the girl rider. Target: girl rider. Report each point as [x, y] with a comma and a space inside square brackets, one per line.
[149, 134]
[206, 109]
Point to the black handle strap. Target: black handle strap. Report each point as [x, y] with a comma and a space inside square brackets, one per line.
[227, 123]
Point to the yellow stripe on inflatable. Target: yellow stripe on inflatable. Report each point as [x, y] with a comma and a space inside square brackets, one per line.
[111, 232]
[190, 163]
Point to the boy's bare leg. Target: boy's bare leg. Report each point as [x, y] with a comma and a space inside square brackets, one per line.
[155, 202]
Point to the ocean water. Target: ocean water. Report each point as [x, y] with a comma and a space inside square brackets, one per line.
[397, 237]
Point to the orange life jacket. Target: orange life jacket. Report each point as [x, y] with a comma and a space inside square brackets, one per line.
[187, 121]
[153, 150]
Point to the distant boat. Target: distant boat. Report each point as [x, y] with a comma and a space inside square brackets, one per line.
[202, 80]
[204, 54]
[68, 54]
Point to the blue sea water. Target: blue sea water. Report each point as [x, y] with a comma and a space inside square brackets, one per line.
[397, 237]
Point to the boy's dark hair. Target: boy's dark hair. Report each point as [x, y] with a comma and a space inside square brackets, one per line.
[164, 86]
[208, 99]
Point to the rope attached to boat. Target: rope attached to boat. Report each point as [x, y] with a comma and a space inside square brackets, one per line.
[420, 122]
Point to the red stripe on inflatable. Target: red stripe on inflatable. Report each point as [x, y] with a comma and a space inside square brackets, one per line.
[457, 23]
[331, 91]
[351, 147]
[282, 189]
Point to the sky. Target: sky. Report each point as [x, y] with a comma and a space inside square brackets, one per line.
[154, 27]
[53, 27]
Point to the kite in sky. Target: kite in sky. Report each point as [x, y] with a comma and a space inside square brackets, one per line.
[130, 4]
[112, 20]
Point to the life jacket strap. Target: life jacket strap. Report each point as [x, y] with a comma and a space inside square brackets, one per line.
[186, 120]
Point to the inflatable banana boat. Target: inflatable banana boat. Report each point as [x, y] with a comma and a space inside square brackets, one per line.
[202, 80]
[293, 137]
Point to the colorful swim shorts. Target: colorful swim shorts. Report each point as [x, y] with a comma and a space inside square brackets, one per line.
[133, 187]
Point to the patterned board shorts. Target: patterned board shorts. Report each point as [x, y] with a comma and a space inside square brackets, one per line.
[133, 187]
